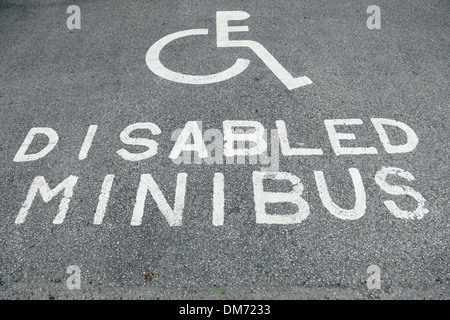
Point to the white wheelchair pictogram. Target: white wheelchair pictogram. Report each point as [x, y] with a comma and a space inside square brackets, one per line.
[223, 41]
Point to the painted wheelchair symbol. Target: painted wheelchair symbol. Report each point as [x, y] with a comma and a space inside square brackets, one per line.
[223, 41]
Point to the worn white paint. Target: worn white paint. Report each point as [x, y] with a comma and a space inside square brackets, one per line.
[335, 137]
[153, 62]
[360, 197]
[190, 129]
[103, 199]
[87, 142]
[173, 216]
[380, 179]
[262, 197]
[152, 146]
[411, 142]
[256, 136]
[218, 199]
[40, 184]
[52, 141]
[286, 150]
[223, 41]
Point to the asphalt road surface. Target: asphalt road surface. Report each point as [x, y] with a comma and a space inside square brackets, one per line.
[359, 210]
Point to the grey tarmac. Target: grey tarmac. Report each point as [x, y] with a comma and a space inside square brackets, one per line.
[68, 80]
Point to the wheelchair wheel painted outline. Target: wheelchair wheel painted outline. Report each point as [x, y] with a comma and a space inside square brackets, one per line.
[155, 65]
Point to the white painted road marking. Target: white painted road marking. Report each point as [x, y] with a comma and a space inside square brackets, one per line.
[360, 197]
[380, 179]
[218, 199]
[262, 197]
[223, 29]
[87, 142]
[40, 184]
[173, 217]
[257, 145]
[53, 139]
[155, 65]
[103, 199]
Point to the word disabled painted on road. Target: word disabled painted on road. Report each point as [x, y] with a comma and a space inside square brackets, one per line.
[238, 141]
